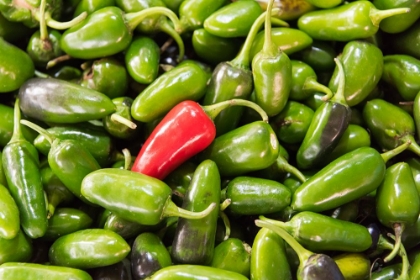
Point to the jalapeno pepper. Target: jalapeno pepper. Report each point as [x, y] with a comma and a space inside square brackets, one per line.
[17, 249]
[398, 23]
[9, 218]
[407, 42]
[191, 272]
[233, 254]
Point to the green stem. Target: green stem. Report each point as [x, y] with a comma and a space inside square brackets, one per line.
[392, 153]
[127, 159]
[213, 110]
[134, 19]
[405, 264]
[57, 60]
[225, 204]
[376, 16]
[171, 210]
[50, 138]
[42, 24]
[41, 75]
[53, 201]
[242, 60]
[287, 167]
[312, 85]
[302, 253]
[339, 96]
[164, 26]
[398, 230]
[64, 25]
[269, 48]
[17, 131]
[414, 147]
[120, 119]
[226, 222]
[278, 22]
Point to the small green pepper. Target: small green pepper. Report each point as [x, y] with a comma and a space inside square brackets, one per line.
[33, 271]
[116, 128]
[90, 6]
[9, 218]
[192, 272]
[193, 13]
[398, 23]
[17, 249]
[234, 255]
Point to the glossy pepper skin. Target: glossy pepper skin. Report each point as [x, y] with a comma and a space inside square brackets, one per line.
[193, 13]
[21, 167]
[232, 156]
[16, 67]
[398, 23]
[32, 271]
[142, 199]
[191, 272]
[91, 6]
[232, 254]
[268, 252]
[194, 240]
[88, 248]
[9, 218]
[41, 50]
[358, 20]
[402, 73]
[188, 80]
[363, 64]
[288, 10]
[319, 55]
[353, 265]
[115, 128]
[148, 255]
[58, 101]
[328, 124]
[253, 196]
[17, 249]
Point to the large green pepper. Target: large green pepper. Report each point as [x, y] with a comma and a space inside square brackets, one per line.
[194, 240]
[33, 271]
[9, 218]
[21, 167]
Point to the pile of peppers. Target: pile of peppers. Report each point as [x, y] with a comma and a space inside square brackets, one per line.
[210, 139]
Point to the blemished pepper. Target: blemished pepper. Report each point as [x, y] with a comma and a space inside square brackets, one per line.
[84, 41]
[390, 125]
[17, 249]
[402, 73]
[186, 137]
[332, 234]
[319, 192]
[268, 257]
[311, 265]
[188, 80]
[363, 63]
[288, 10]
[232, 254]
[397, 202]
[21, 167]
[191, 272]
[253, 196]
[231, 150]
[194, 240]
[353, 265]
[398, 23]
[33, 271]
[148, 254]
[16, 66]
[9, 218]
[142, 59]
[328, 124]
[357, 20]
[271, 72]
[140, 198]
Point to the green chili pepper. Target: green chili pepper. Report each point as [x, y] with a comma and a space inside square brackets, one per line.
[253, 196]
[66, 72]
[388, 272]
[331, 234]
[191, 272]
[328, 124]
[88, 248]
[108, 76]
[90, 6]
[119, 271]
[234, 255]
[181, 177]
[402, 72]
[390, 125]
[325, 4]
[142, 59]
[140, 198]
[32, 271]
[398, 23]
[363, 65]
[288, 10]
[66, 221]
[148, 255]
[84, 41]
[347, 212]
[15, 67]
[17, 249]
[188, 80]
[325, 190]
[407, 42]
[268, 257]
[356, 20]
[116, 128]
[231, 150]
[289, 40]
[9, 218]
[126, 229]
[194, 240]
[319, 55]
[414, 164]
[397, 202]
[354, 266]
[193, 13]
[21, 167]
[13, 31]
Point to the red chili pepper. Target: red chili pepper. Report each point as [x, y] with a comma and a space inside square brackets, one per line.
[185, 131]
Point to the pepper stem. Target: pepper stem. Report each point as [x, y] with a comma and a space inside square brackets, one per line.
[225, 204]
[120, 119]
[127, 159]
[414, 147]
[312, 85]
[53, 201]
[376, 16]
[398, 230]
[302, 253]
[269, 48]
[17, 131]
[287, 167]
[50, 138]
[405, 264]
[339, 96]
[57, 60]
[64, 25]
[134, 19]
[171, 210]
[213, 110]
[43, 31]
[168, 29]
[242, 60]
[392, 153]
[226, 222]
